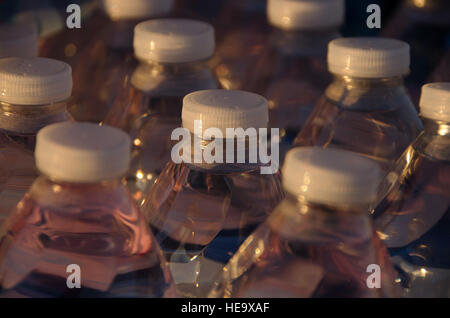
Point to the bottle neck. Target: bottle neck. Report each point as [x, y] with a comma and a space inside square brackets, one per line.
[321, 222]
[173, 79]
[434, 141]
[223, 155]
[437, 128]
[368, 93]
[29, 119]
[48, 191]
[174, 68]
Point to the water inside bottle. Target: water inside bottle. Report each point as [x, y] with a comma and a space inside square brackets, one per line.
[413, 219]
[307, 250]
[361, 119]
[201, 216]
[97, 227]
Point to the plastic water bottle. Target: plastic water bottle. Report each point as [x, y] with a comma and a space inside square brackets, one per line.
[202, 209]
[34, 93]
[414, 218]
[173, 55]
[101, 69]
[18, 40]
[319, 241]
[242, 35]
[292, 73]
[77, 232]
[366, 109]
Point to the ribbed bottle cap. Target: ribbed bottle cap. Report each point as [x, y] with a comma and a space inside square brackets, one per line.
[306, 14]
[435, 101]
[219, 108]
[173, 40]
[34, 81]
[19, 40]
[136, 9]
[82, 152]
[330, 176]
[368, 57]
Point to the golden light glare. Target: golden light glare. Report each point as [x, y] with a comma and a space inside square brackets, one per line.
[137, 142]
[70, 50]
[420, 3]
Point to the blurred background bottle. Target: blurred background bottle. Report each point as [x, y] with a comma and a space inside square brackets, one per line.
[319, 241]
[425, 26]
[414, 218]
[292, 72]
[102, 66]
[242, 32]
[366, 109]
[173, 56]
[201, 211]
[35, 93]
[442, 71]
[77, 212]
[18, 40]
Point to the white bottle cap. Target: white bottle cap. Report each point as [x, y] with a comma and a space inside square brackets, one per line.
[435, 101]
[173, 40]
[306, 14]
[19, 40]
[34, 81]
[222, 109]
[82, 152]
[368, 57]
[136, 9]
[330, 176]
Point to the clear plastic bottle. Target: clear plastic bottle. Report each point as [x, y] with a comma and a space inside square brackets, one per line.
[242, 33]
[35, 93]
[319, 241]
[173, 55]
[200, 210]
[102, 68]
[18, 40]
[413, 219]
[366, 109]
[424, 25]
[78, 224]
[292, 73]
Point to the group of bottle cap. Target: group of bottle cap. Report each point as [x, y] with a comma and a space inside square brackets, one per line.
[81, 152]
